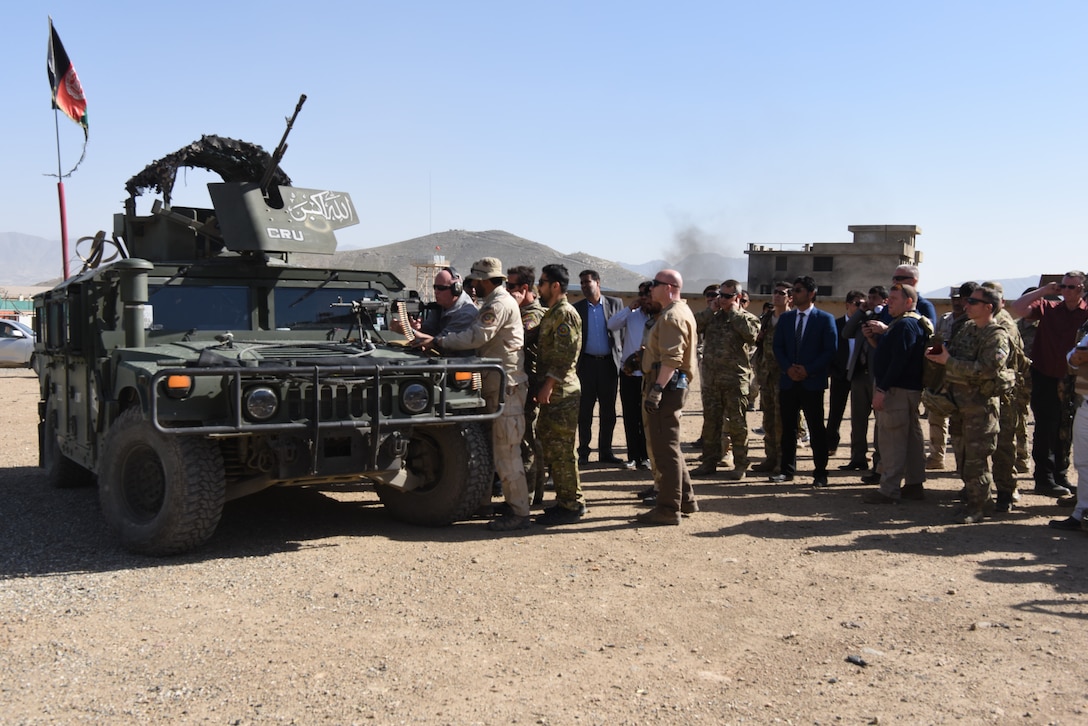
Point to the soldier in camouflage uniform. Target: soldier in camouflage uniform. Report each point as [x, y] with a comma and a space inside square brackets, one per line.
[730, 332]
[1004, 462]
[497, 333]
[976, 373]
[519, 283]
[769, 375]
[559, 395]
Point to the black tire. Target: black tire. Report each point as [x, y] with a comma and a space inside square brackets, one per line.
[60, 471]
[160, 494]
[452, 471]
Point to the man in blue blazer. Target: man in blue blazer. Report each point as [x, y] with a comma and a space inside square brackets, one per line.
[805, 341]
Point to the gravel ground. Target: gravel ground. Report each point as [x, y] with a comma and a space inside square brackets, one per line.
[314, 607]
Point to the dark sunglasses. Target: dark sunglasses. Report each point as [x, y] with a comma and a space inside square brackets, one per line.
[901, 278]
[443, 287]
[543, 281]
[782, 292]
[975, 301]
[513, 285]
[655, 283]
[727, 295]
[1069, 287]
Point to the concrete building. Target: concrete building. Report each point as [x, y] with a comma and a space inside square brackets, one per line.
[837, 267]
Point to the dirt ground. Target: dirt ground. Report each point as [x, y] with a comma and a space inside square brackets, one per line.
[310, 607]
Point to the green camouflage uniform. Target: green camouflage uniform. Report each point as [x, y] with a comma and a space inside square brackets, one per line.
[1004, 465]
[769, 374]
[557, 424]
[976, 374]
[727, 370]
[531, 454]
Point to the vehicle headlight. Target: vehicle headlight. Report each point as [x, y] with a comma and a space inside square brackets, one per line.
[415, 398]
[261, 403]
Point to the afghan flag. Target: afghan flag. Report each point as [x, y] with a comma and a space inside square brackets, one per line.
[67, 91]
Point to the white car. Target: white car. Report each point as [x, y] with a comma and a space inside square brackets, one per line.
[16, 345]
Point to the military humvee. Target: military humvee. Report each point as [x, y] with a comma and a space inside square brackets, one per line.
[198, 366]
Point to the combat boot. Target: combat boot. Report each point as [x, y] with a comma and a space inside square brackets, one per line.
[740, 466]
[707, 468]
[935, 462]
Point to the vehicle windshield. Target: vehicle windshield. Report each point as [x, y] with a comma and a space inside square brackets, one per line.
[300, 308]
[179, 308]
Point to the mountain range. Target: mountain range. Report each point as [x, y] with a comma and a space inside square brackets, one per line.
[31, 260]
[35, 261]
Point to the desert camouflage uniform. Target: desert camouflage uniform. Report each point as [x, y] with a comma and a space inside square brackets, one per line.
[557, 424]
[531, 455]
[1004, 462]
[976, 374]
[497, 333]
[727, 370]
[769, 373]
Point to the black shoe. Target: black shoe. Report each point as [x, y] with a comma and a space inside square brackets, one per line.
[820, 481]
[780, 478]
[560, 515]
[877, 498]
[650, 501]
[873, 478]
[1066, 502]
[609, 459]
[583, 460]
[916, 492]
[644, 464]
[1066, 525]
[1052, 490]
[629, 465]
[855, 466]
[698, 443]
[648, 491]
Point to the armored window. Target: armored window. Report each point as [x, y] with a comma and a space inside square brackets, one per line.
[180, 308]
[823, 264]
[310, 308]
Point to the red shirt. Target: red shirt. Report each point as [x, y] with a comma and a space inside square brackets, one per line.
[1057, 334]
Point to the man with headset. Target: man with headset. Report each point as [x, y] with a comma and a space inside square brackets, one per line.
[453, 309]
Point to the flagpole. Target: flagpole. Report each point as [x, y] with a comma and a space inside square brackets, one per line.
[60, 198]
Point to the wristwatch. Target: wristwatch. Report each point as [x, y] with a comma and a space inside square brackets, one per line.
[657, 387]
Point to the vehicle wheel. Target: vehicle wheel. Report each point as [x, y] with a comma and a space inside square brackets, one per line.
[60, 471]
[161, 494]
[449, 472]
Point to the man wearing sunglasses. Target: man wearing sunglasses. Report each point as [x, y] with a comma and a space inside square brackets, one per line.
[976, 373]
[668, 367]
[1059, 321]
[729, 334]
[452, 310]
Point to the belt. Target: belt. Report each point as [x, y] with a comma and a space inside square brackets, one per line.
[597, 357]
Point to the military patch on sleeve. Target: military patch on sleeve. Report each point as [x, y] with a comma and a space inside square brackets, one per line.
[488, 317]
[563, 331]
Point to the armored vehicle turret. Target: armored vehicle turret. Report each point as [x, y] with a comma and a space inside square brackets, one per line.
[197, 365]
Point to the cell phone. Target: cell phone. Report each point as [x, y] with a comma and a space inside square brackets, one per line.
[936, 349]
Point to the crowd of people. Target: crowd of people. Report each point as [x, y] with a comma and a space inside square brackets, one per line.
[972, 375]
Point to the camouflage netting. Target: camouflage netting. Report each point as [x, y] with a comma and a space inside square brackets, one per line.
[233, 160]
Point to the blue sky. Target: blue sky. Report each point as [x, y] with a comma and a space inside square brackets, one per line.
[613, 128]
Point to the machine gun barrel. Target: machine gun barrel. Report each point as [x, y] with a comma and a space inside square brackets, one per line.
[281, 149]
